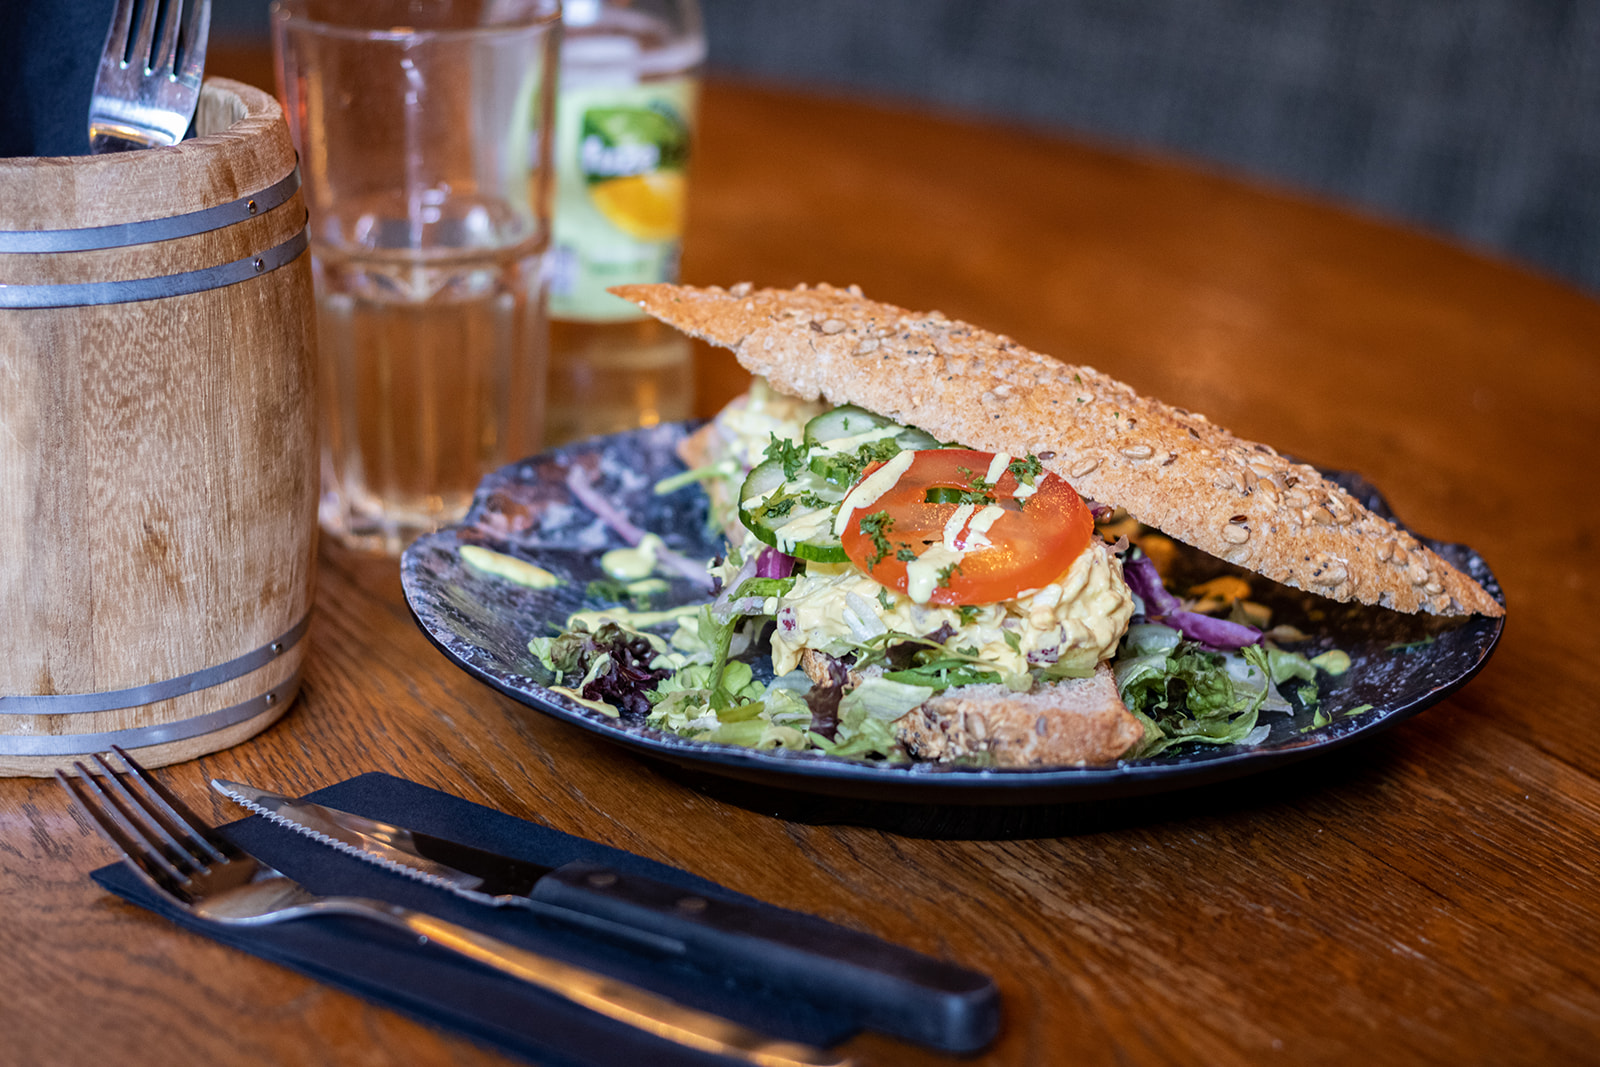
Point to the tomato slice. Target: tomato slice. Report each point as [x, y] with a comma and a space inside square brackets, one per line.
[1033, 541]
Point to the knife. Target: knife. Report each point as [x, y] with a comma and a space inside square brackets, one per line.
[894, 990]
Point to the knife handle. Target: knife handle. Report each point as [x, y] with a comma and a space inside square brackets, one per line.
[897, 991]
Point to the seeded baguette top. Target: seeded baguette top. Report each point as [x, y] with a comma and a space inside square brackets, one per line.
[1169, 468]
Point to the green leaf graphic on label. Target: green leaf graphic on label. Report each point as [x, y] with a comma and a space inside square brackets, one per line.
[621, 142]
[621, 159]
[632, 159]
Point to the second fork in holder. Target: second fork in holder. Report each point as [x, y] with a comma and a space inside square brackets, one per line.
[149, 78]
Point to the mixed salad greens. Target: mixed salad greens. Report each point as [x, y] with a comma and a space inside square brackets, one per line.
[1204, 669]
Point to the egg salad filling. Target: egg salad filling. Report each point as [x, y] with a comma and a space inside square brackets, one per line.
[1071, 624]
[879, 567]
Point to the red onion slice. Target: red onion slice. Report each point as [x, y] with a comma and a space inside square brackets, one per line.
[586, 494]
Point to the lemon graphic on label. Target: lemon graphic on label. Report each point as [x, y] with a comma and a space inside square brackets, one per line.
[647, 207]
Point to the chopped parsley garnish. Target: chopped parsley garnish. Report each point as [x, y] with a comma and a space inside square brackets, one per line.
[945, 494]
[876, 526]
[1026, 470]
[905, 555]
[846, 469]
[978, 490]
[967, 613]
[872, 451]
[777, 509]
[883, 598]
[945, 574]
[793, 457]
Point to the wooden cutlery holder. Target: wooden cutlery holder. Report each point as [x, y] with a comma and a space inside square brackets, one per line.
[158, 467]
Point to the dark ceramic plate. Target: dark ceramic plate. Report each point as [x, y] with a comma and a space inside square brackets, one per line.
[1400, 663]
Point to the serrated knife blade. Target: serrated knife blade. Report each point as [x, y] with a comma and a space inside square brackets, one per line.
[475, 873]
[895, 990]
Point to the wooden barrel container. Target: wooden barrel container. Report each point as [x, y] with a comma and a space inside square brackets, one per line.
[158, 471]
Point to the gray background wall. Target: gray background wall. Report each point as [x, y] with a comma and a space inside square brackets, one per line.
[1478, 119]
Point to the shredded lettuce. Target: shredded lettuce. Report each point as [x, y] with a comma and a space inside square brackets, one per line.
[866, 717]
[763, 587]
[1184, 693]
[1335, 662]
[723, 468]
[942, 673]
[1181, 693]
[756, 716]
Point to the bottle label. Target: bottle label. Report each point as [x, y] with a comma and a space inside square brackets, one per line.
[621, 155]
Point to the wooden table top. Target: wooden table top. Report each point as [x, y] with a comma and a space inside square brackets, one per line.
[1426, 896]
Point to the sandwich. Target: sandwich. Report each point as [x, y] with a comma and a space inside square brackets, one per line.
[948, 545]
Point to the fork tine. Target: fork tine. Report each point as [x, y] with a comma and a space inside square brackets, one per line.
[165, 837]
[176, 814]
[117, 34]
[140, 54]
[192, 41]
[128, 839]
[165, 56]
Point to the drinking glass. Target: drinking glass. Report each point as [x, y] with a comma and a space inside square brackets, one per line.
[423, 131]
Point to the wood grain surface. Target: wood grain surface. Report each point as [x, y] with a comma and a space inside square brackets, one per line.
[158, 464]
[1426, 897]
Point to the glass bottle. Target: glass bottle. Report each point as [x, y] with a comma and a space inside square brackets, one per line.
[629, 83]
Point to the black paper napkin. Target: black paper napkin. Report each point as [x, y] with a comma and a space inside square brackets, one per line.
[49, 55]
[424, 982]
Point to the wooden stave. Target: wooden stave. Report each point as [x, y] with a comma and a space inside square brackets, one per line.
[252, 154]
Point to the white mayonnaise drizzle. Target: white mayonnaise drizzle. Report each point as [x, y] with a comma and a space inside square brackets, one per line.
[870, 488]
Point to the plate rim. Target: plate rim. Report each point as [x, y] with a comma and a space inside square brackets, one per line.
[807, 771]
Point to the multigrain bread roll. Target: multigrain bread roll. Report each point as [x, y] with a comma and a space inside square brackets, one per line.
[1074, 723]
[1169, 468]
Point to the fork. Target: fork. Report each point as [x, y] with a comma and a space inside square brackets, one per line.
[190, 863]
[147, 87]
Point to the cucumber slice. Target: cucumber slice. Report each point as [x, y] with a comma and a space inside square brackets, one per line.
[839, 471]
[847, 428]
[793, 515]
[844, 421]
[843, 441]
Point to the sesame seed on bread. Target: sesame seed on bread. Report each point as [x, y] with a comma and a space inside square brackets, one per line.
[1169, 468]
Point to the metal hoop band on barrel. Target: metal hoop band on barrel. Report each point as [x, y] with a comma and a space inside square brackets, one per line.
[145, 736]
[89, 238]
[112, 700]
[81, 294]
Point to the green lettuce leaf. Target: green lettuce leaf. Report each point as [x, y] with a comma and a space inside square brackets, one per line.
[1181, 693]
[866, 717]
